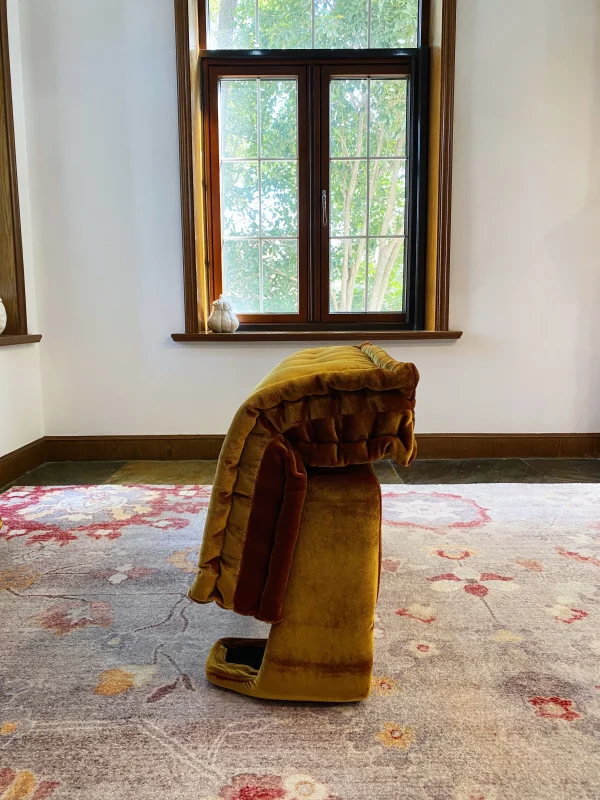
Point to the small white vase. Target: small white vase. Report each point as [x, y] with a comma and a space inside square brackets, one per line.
[3, 317]
[222, 319]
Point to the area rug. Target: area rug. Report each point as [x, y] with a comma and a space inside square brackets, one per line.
[487, 674]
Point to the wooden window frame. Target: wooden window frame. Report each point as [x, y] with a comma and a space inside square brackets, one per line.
[12, 274]
[413, 66]
[316, 68]
[213, 69]
[438, 31]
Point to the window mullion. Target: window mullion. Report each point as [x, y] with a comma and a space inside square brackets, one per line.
[261, 279]
[368, 198]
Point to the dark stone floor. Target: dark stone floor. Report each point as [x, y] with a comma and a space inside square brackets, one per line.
[492, 470]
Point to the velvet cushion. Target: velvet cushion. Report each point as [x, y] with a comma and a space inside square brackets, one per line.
[322, 407]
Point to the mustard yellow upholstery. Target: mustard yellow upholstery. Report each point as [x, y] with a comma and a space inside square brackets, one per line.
[322, 650]
[293, 518]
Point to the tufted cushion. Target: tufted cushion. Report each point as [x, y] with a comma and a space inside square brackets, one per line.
[321, 407]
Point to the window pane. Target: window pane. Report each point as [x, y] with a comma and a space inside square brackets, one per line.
[241, 275]
[348, 125]
[387, 197]
[278, 118]
[341, 24]
[367, 113]
[284, 24]
[232, 24]
[239, 198]
[239, 119]
[348, 198]
[259, 194]
[280, 276]
[337, 24]
[386, 275]
[387, 117]
[394, 23]
[279, 198]
[347, 275]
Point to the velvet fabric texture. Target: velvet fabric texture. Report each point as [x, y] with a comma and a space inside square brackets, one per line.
[322, 407]
[322, 650]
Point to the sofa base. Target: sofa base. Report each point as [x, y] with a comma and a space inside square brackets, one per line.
[322, 650]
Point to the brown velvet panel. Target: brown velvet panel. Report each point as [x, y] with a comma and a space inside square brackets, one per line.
[286, 534]
[272, 531]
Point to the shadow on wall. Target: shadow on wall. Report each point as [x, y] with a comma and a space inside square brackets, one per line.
[574, 245]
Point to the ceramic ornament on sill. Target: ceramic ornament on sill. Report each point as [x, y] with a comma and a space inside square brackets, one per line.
[222, 319]
[3, 317]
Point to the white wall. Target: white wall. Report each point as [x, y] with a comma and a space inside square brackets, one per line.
[101, 112]
[21, 417]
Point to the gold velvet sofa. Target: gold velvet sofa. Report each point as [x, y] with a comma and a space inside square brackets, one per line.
[293, 530]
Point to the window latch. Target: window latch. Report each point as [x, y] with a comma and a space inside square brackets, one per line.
[324, 206]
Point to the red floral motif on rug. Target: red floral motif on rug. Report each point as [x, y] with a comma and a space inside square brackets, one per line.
[432, 510]
[64, 514]
[471, 583]
[554, 708]
[275, 787]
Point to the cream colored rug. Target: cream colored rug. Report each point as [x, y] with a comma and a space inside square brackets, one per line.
[487, 667]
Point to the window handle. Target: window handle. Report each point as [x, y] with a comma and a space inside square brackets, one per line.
[324, 207]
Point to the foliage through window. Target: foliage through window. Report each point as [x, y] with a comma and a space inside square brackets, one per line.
[312, 24]
[316, 160]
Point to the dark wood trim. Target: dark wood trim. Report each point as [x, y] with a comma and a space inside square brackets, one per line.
[12, 275]
[418, 205]
[448, 55]
[316, 261]
[225, 58]
[194, 447]
[429, 445]
[209, 201]
[186, 164]
[133, 448]
[8, 341]
[202, 23]
[315, 336]
[442, 40]
[508, 445]
[323, 65]
[438, 29]
[402, 69]
[424, 22]
[23, 460]
[212, 73]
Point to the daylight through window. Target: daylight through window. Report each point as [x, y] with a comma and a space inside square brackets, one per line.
[302, 24]
[316, 160]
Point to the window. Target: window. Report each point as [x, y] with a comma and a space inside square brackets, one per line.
[312, 24]
[313, 180]
[259, 191]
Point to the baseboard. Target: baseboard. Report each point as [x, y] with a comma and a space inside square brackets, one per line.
[429, 445]
[20, 461]
[133, 448]
[192, 447]
[508, 445]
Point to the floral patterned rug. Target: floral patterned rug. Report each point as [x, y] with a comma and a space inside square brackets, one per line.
[487, 674]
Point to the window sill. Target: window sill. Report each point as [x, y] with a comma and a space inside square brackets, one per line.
[315, 336]
[8, 340]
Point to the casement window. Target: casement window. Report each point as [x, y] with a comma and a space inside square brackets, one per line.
[312, 169]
